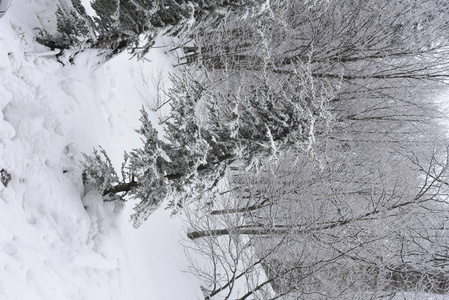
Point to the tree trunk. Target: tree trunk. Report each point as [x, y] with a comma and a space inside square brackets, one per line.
[240, 210]
[243, 230]
[124, 187]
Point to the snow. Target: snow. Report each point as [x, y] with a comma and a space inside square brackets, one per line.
[56, 242]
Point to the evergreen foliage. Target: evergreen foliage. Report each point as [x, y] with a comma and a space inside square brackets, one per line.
[210, 128]
[98, 172]
[127, 24]
[74, 26]
[146, 167]
[353, 210]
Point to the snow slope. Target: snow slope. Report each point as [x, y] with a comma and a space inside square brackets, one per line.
[56, 242]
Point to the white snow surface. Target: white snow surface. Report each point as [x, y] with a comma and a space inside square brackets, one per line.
[56, 242]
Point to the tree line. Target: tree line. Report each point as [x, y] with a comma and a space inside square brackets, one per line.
[306, 146]
[116, 26]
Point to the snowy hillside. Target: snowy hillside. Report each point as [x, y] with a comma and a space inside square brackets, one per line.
[56, 243]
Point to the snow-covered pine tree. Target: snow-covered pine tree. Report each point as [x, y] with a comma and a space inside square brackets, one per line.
[120, 24]
[98, 172]
[132, 25]
[145, 169]
[74, 26]
[213, 124]
[107, 16]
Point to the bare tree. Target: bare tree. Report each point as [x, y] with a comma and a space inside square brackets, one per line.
[365, 215]
[348, 40]
[314, 242]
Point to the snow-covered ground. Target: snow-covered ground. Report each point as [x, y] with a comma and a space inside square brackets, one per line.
[56, 242]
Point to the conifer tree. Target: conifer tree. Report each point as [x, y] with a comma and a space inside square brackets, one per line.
[212, 126]
[74, 25]
[121, 25]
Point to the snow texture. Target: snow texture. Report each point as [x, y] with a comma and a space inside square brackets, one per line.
[56, 242]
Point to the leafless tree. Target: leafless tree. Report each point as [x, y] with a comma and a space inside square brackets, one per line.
[329, 235]
[364, 214]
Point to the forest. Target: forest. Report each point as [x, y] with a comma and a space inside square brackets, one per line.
[305, 145]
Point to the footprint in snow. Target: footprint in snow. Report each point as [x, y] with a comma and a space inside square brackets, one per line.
[10, 249]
